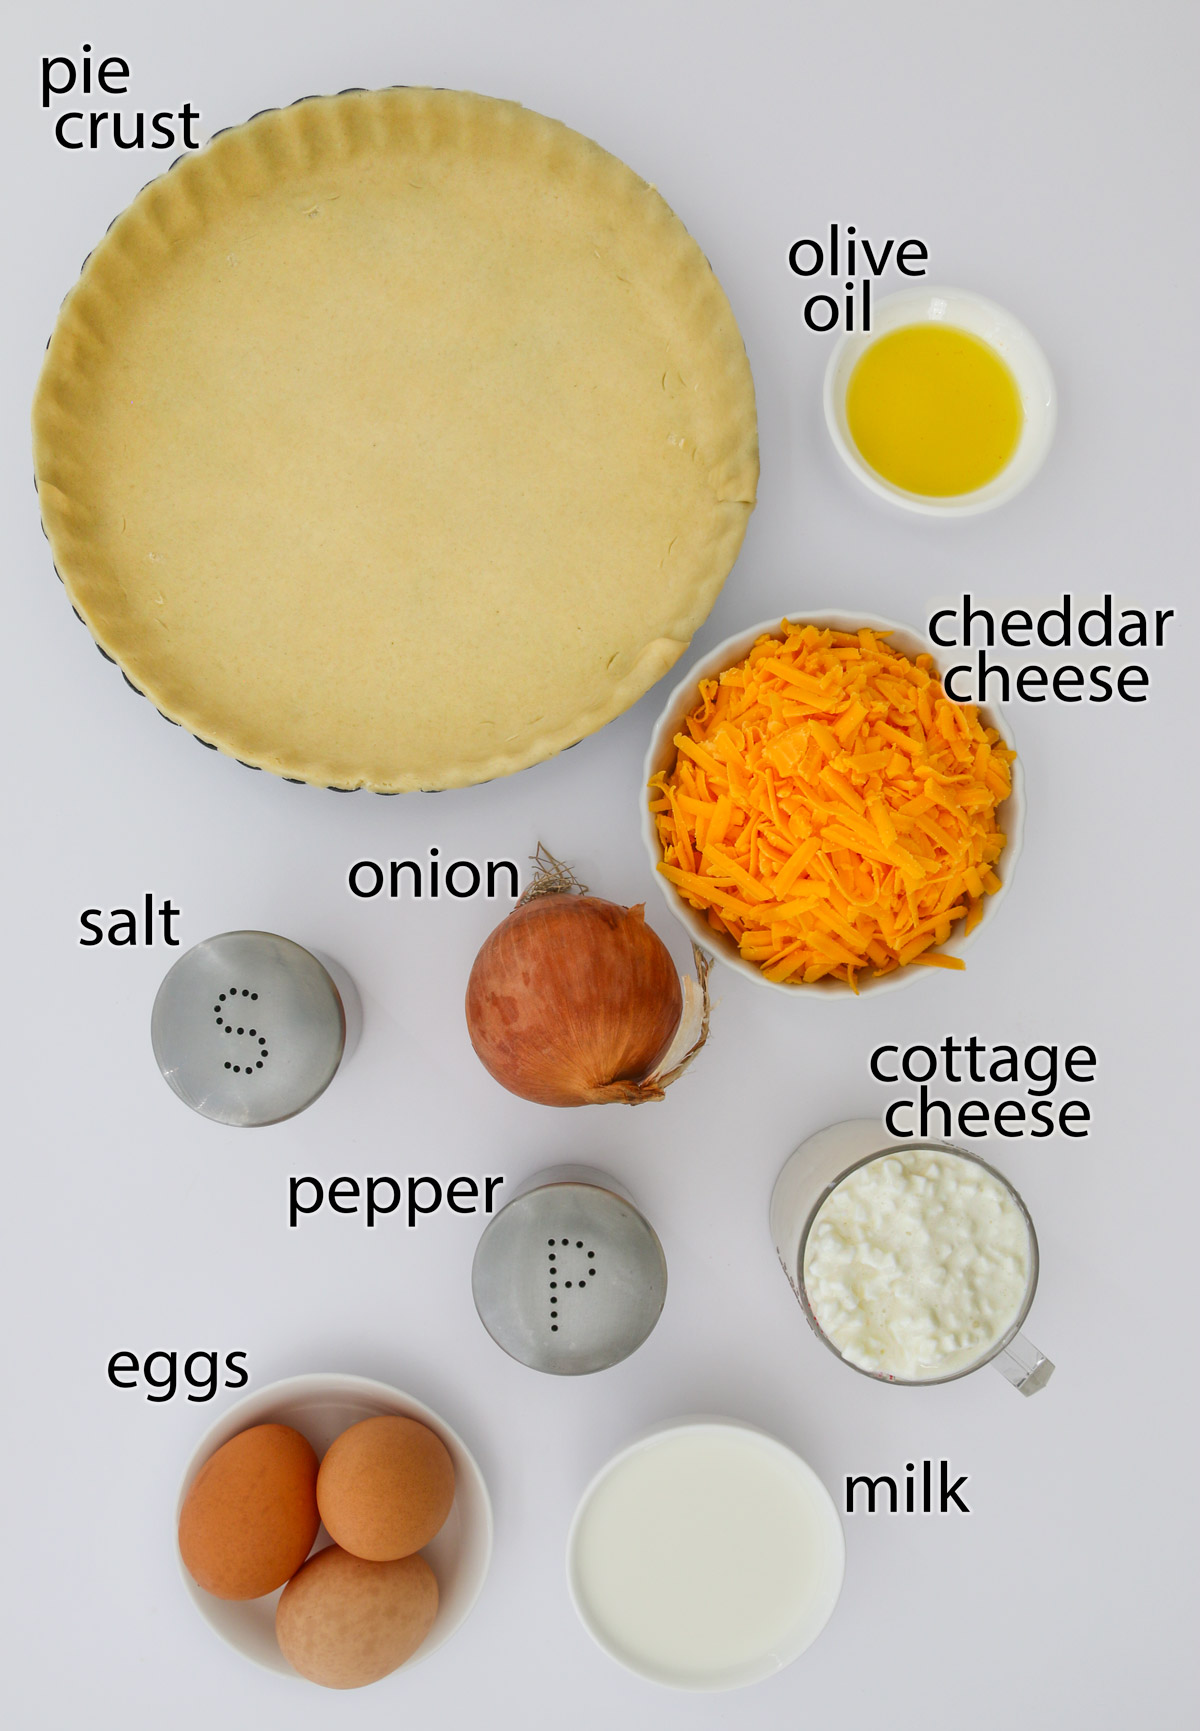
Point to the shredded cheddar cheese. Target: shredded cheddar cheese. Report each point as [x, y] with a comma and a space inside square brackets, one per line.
[831, 810]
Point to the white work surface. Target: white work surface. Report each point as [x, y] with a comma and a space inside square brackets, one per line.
[1046, 155]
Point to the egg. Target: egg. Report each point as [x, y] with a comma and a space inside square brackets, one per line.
[250, 1517]
[344, 1622]
[385, 1488]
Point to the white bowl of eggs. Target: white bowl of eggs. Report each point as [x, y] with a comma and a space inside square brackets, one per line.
[393, 1532]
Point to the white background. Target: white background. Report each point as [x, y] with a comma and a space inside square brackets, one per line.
[1046, 155]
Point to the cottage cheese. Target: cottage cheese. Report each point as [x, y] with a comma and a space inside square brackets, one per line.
[917, 1264]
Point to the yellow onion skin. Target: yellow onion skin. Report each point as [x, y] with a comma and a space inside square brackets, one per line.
[572, 1001]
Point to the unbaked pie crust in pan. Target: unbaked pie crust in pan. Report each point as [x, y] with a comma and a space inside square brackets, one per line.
[396, 439]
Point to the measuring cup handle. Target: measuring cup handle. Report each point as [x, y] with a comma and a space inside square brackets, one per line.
[1022, 1364]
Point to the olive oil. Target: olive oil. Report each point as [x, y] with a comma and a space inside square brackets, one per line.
[934, 410]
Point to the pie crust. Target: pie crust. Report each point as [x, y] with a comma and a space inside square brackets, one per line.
[396, 439]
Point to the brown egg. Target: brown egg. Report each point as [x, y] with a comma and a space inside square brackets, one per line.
[250, 1518]
[385, 1487]
[344, 1622]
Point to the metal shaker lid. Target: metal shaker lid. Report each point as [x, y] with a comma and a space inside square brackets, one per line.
[248, 1028]
[569, 1277]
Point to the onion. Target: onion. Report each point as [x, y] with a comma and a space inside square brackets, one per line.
[573, 1001]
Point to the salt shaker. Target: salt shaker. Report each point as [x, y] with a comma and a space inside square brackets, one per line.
[248, 1028]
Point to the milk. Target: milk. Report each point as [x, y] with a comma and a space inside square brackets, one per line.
[706, 1556]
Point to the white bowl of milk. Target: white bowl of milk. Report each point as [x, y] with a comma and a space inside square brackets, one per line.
[705, 1556]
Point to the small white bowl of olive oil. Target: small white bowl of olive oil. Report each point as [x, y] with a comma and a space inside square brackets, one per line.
[946, 406]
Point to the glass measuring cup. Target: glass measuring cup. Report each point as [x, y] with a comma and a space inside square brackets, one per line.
[811, 1175]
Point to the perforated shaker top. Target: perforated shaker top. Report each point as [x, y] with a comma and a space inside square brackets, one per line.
[248, 1028]
[569, 1278]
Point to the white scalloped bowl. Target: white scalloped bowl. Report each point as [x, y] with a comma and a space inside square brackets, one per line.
[661, 756]
[321, 1407]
